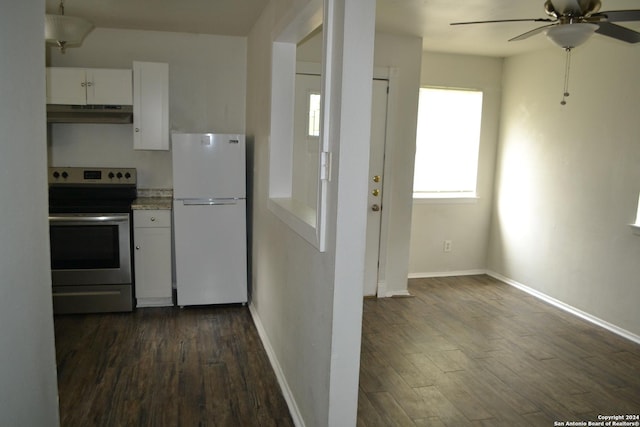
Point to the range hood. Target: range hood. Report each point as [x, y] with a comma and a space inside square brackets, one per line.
[89, 113]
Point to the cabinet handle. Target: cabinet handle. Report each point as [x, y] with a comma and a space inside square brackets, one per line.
[137, 248]
[153, 218]
[137, 129]
[83, 84]
[89, 84]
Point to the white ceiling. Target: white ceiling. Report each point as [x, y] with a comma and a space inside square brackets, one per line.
[428, 19]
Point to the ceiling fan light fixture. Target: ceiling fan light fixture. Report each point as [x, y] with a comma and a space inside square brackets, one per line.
[568, 36]
[65, 31]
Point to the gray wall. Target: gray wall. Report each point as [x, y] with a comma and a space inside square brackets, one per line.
[28, 388]
[569, 178]
[403, 54]
[466, 223]
[309, 304]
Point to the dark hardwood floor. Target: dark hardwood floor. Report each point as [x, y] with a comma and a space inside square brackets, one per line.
[166, 367]
[472, 351]
[464, 351]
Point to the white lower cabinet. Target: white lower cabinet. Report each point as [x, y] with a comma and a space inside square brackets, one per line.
[152, 257]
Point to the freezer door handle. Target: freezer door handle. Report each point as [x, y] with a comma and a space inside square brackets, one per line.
[209, 202]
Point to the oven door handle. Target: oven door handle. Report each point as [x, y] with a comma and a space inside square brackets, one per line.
[89, 218]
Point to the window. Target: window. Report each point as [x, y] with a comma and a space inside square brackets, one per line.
[300, 204]
[636, 226]
[447, 143]
[314, 114]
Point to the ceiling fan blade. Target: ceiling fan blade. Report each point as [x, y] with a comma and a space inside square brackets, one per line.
[531, 33]
[619, 15]
[617, 32]
[505, 20]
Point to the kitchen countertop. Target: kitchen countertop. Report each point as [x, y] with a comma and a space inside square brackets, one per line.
[153, 199]
[152, 203]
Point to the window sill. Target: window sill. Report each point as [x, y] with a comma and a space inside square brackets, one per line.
[445, 199]
[635, 228]
[299, 217]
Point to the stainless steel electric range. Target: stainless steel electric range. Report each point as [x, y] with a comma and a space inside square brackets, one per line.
[90, 236]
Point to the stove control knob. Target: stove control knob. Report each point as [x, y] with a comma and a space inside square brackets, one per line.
[111, 175]
[56, 174]
[119, 175]
[127, 175]
[65, 175]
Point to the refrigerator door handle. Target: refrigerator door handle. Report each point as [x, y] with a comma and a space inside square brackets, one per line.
[209, 202]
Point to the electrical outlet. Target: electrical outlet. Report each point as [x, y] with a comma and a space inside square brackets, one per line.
[446, 247]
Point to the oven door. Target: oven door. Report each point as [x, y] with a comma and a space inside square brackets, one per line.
[90, 249]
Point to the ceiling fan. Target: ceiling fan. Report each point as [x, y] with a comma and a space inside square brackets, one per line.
[573, 22]
[571, 19]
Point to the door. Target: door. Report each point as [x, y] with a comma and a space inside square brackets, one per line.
[109, 86]
[211, 252]
[376, 181]
[150, 106]
[306, 140]
[66, 86]
[152, 238]
[208, 166]
[303, 162]
[90, 249]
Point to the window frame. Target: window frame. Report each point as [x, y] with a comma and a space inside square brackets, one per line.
[461, 196]
[310, 224]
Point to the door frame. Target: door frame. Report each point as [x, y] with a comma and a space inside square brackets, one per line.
[391, 74]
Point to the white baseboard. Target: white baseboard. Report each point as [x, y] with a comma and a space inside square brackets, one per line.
[446, 274]
[391, 294]
[568, 308]
[282, 381]
[382, 289]
[154, 302]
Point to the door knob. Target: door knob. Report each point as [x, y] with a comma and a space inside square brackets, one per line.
[375, 208]
[376, 178]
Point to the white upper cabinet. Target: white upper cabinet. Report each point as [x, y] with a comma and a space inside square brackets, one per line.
[89, 86]
[150, 106]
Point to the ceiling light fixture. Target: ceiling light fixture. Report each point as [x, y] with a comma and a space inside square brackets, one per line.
[65, 31]
[569, 36]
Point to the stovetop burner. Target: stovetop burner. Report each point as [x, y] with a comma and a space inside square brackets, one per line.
[86, 190]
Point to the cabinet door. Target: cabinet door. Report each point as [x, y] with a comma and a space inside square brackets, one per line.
[150, 106]
[109, 87]
[153, 262]
[66, 86]
[211, 253]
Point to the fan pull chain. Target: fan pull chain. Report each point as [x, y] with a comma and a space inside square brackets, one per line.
[567, 69]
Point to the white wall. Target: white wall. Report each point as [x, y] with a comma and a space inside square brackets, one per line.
[401, 53]
[465, 224]
[292, 283]
[308, 303]
[569, 178]
[28, 387]
[207, 92]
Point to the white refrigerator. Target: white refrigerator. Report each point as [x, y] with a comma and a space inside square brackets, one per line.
[210, 237]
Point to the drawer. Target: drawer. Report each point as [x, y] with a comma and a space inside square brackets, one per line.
[151, 218]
